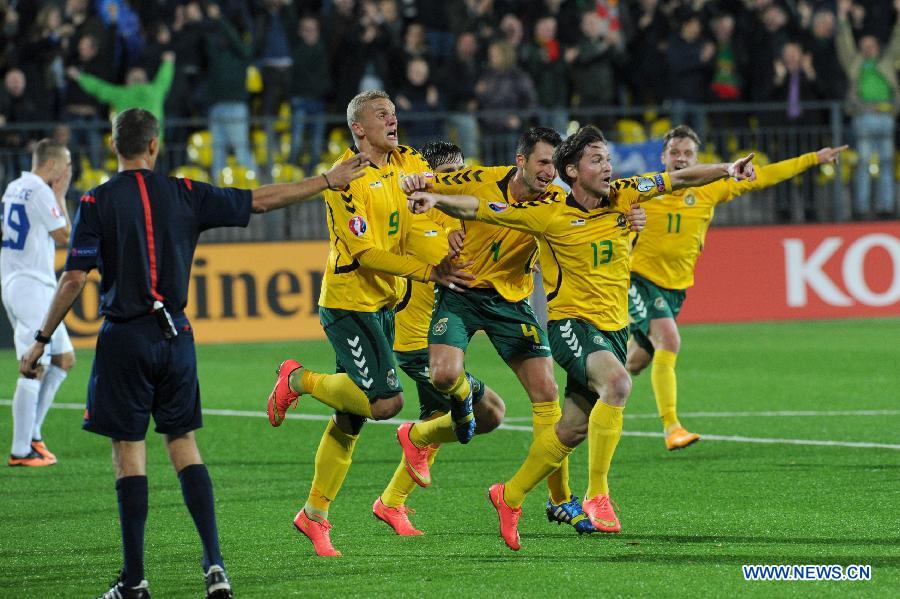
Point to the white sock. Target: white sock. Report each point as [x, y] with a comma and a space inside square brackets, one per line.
[24, 408]
[315, 513]
[53, 378]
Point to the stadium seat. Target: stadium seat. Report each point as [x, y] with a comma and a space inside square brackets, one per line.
[709, 156]
[239, 176]
[253, 80]
[286, 173]
[630, 131]
[91, 178]
[660, 127]
[260, 146]
[283, 123]
[193, 172]
[199, 148]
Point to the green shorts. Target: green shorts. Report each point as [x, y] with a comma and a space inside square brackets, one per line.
[573, 340]
[511, 326]
[648, 301]
[415, 364]
[363, 345]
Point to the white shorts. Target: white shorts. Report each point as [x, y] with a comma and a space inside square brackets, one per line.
[26, 301]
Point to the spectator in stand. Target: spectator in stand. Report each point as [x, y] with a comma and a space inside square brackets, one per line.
[593, 65]
[310, 86]
[419, 95]
[137, 91]
[566, 12]
[81, 110]
[647, 36]
[17, 107]
[227, 57]
[118, 16]
[728, 61]
[505, 90]
[477, 16]
[415, 45]
[272, 35]
[769, 33]
[457, 86]
[543, 59]
[41, 59]
[513, 33]
[873, 96]
[688, 61]
[820, 41]
[795, 82]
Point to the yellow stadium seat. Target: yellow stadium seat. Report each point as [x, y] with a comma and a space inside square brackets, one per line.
[199, 148]
[239, 176]
[91, 178]
[630, 131]
[253, 80]
[709, 156]
[660, 127]
[260, 143]
[286, 173]
[193, 172]
[283, 122]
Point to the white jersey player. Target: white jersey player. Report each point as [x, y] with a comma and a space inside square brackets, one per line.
[35, 220]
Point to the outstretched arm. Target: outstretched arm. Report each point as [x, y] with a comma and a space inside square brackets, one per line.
[462, 207]
[279, 195]
[701, 174]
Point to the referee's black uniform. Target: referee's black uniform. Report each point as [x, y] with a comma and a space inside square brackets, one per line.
[140, 229]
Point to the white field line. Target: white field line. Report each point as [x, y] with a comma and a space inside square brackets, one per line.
[522, 428]
[765, 413]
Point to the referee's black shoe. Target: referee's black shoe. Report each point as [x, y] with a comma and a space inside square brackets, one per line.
[217, 584]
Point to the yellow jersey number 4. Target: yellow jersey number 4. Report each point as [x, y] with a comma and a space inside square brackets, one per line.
[529, 330]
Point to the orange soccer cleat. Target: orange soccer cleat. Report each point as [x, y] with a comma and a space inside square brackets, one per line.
[42, 450]
[32, 460]
[396, 517]
[600, 510]
[679, 438]
[509, 517]
[282, 396]
[416, 457]
[317, 532]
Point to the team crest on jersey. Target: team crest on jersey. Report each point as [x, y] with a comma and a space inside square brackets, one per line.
[440, 327]
[621, 221]
[660, 303]
[644, 184]
[660, 182]
[392, 378]
[498, 206]
[577, 222]
[358, 226]
[376, 184]
[690, 200]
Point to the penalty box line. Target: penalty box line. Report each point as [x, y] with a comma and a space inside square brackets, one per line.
[522, 428]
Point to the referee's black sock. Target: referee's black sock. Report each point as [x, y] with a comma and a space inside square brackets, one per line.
[132, 494]
[196, 487]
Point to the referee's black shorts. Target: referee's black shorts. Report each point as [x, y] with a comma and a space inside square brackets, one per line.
[138, 372]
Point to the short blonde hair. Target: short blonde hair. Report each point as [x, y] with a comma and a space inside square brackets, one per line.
[359, 101]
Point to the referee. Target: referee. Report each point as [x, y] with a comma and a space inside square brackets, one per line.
[140, 229]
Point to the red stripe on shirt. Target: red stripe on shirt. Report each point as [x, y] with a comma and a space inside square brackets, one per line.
[151, 244]
[188, 183]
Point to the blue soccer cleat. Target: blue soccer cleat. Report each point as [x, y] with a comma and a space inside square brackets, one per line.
[570, 512]
[463, 416]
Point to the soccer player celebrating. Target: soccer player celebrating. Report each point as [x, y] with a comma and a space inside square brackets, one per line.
[584, 240]
[663, 261]
[427, 240]
[368, 225]
[34, 217]
[496, 303]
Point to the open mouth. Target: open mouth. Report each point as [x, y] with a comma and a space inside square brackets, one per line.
[392, 134]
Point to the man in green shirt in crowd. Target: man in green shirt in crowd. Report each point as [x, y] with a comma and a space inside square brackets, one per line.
[137, 92]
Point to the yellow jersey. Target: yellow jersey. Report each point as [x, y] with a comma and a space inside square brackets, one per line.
[428, 242]
[666, 251]
[502, 257]
[584, 253]
[371, 212]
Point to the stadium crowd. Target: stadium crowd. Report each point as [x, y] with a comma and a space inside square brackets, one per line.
[477, 64]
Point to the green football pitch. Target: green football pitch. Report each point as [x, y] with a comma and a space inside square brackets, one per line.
[800, 464]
